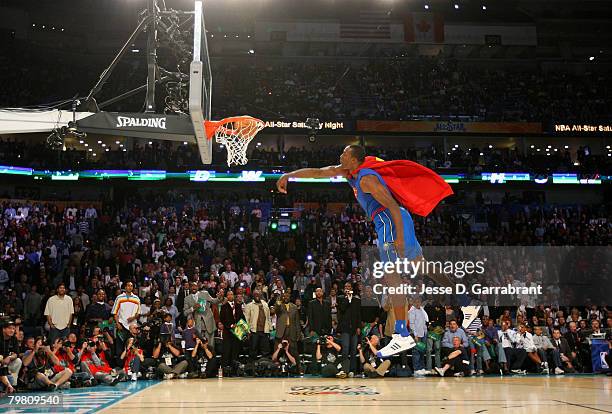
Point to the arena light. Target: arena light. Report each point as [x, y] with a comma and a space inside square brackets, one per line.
[532, 146]
[484, 7]
[117, 142]
[567, 146]
[456, 6]
[294, 226]
[426, 7]
[591, 58]
[274, 225]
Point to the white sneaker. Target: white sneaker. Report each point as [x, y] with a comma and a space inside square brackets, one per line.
[458, 374]
[398, 344]
[470, 313]
[183, 375]
[168, 376]
[421, 372]
[518, 371]
[134, 376]
[559, 371]
[439, 371]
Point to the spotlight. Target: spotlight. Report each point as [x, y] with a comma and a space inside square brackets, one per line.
[567, 147]
[591, 58]
[251, 51]
[117, 142]
[426, 7]
[490, 146]
[484, 7]
[532, 146]
[456, 7]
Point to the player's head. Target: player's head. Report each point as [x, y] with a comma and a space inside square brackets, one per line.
[352, 156]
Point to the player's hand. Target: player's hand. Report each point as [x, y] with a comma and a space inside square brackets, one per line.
[281, 184]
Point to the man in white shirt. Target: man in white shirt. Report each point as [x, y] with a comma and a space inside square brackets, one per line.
[418, 325]
[514, 356]
[230, 275]
[59, 311]
[525, 341]
[91, 213]
[126, 311]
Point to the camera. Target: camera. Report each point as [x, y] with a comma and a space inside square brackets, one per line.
[67, 344]
[285, 343]
[91, 344]
[313, 125]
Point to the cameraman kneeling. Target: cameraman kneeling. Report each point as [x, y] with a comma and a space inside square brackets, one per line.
[282, 357]
[372, 365]
[94, 361]
[328, 356]
[203, 361]
[167, 354]
[40, 362]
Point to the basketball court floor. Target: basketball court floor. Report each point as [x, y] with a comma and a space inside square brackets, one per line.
[530, 394]
[577, 394]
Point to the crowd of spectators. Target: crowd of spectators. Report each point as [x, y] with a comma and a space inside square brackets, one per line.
[153, 290]
[419, 87]
[165, 155]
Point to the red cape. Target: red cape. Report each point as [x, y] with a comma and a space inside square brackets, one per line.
[415, 187]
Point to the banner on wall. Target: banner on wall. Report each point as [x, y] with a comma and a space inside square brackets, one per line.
[452, 127]
[424, 28]
[590, 128]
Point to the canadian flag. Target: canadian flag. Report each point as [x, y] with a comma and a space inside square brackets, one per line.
[424, 28]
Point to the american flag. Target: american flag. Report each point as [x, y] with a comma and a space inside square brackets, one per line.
[372, 24]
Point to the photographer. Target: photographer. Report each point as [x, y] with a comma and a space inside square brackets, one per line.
[283, 358]
[132, 356]
[327, 355]
[94, 361]
[40, 374]
[372, 365]
[205, 363]
[167, 356]
[66, 356]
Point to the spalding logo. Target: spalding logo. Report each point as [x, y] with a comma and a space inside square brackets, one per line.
[126, 121]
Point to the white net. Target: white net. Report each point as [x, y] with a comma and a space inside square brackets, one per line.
[236, 134]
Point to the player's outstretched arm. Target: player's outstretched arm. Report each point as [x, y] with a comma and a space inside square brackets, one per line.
[330, 171]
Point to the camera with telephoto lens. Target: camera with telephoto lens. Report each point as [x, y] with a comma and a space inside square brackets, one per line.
[91, 344]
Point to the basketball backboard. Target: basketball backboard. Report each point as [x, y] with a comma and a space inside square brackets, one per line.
[200, 84]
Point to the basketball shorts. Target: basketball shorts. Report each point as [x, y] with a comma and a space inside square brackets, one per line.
[385, 228]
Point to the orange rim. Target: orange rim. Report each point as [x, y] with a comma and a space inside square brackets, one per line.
[212, 126]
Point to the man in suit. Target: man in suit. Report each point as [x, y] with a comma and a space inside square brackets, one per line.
[231, 313]
[563, 352]
[319, 315]
[349, 325]
[182, 293]
[198, 306]
[287, 323]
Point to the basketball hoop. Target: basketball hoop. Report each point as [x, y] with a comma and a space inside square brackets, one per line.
[235, 133]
